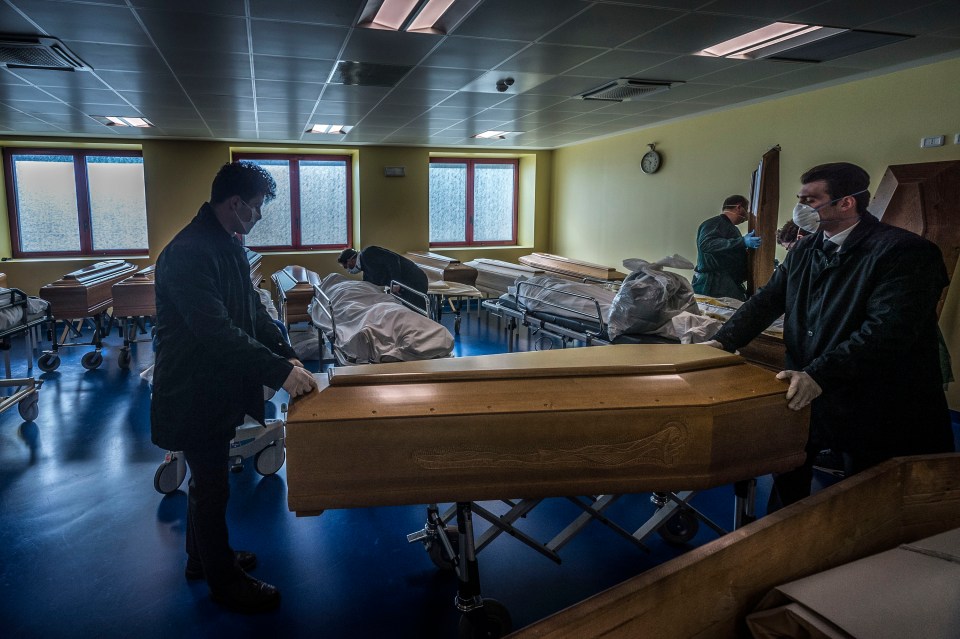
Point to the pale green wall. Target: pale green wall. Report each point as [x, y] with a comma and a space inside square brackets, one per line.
[606, 209]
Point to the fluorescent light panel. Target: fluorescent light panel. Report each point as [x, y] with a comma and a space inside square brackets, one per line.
[409, 15]
[495, 135]
[335, 129]
[769, 40]
[115, 120]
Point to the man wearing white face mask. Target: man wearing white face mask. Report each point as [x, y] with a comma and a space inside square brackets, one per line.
[216, 348]
[381, 266]
[722, 252]
[860, 329]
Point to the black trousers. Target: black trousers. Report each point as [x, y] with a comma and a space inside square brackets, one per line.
[207, 535]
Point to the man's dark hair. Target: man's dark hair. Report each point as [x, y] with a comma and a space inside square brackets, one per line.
[246, 179]
[735, 200]
[346, 255]
[787, 233]
[842, 179]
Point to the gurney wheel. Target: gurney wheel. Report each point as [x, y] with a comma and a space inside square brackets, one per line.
[496, 621]
[456, 325]
[680, 528]
[29, 408]
[48, 362]
[169, 476]
[270, 459]
[435, 549]
[123, 359]
[91, 360]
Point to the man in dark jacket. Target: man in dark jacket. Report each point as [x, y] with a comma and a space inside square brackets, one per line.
[381, 266]
[216, 348]
[722, 252]
[860, 330]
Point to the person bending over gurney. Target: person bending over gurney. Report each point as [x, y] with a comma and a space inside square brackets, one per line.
[381, 266]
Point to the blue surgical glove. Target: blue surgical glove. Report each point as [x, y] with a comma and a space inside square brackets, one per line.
[751, 240]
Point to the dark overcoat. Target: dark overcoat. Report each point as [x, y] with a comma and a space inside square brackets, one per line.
[721, 260]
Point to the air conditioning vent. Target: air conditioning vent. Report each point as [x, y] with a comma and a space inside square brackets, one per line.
[626, 89]
[19, 52]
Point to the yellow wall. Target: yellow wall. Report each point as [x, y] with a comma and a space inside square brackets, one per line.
[607, 210]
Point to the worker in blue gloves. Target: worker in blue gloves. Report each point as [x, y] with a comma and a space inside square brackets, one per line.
[722, 252]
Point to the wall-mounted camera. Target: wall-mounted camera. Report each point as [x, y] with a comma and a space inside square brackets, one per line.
[504, 84]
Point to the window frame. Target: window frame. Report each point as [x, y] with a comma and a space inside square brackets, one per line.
[82, 185]
[293, 161]
[468, 231]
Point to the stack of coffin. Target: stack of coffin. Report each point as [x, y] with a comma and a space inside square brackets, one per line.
[439, 268]
[555, 264]
[494, 277]
[295, 289]
[582, 421]
[254, 259]
[86, 292]
[135, 296]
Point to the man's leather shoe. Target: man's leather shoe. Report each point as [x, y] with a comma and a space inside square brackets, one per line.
[247, 561]
[246, 594]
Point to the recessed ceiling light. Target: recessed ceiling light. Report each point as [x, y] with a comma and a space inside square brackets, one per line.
[404, 15]
[116, 120]
[336, 129]
[769, 40]
[495, 135]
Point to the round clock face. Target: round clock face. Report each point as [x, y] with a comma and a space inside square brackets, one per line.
[650, 162]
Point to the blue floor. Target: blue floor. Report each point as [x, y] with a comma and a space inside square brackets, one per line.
[90, 549]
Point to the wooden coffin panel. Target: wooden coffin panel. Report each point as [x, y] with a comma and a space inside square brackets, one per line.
[87, 291]
[136, 296]
[570, 267]
[494, 276]
[295, 288]
[254, 259]
[441, 268]
[708, 591]
[538, 425]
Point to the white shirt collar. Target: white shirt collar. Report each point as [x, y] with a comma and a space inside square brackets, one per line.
[838, 238]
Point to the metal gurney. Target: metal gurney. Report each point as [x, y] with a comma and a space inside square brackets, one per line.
[363, 324]
[622, 419]
[20, 315]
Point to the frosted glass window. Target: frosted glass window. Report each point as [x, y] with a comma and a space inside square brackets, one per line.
[448, 202]
[473, 202]
[53, 214]
[118, 203]
[312, 207]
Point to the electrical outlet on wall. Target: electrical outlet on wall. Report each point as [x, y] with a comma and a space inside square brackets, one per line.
[932, 141]
[956, 138]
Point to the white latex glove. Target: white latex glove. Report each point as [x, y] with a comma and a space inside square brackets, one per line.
[803, 389]
[300, 381]
[714, 343]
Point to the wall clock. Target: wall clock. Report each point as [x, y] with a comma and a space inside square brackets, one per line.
[650, 162]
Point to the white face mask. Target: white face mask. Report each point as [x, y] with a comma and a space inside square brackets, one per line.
[354, 270]
[247, 225]
[808, 218]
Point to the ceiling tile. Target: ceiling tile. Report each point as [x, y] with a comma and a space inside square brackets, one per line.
[549, 58]
[78, 96]
[568, 86]
[22, 92]
[95, 23]
[461, 112]
[177, 30]
[694, 32]
[609, 25]
[291, 69]
[151, 101]
[294, 40]
[350, 93]
[275, 105]
[806, 76]
[620, 63]
[155, 83]
[288, 90]
[928, 19]
[535, 18]
[734, 95]
[48, 78]
[900, 52]
[848, 13]
[438, 78]
[745, 72]
[388, 47]
[215, 85]
[217, 7]
[772, 11]
[333, 12]
[228, 65]
[469, 53]
[473, 100]
[688, 67]
[119, 57]
[37, 107]
[422, 97]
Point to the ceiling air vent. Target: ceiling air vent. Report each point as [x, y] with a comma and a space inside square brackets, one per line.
[625, 89]
[367, 74]
[35, 52]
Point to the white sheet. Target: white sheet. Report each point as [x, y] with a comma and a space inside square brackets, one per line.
[13, 315]
[565, 294]
[373, 327]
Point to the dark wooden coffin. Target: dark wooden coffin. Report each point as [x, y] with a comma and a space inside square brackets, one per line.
[581, 421]
[294, 286]
[135, 296]
[708, 591]
[571, 268]
[441, 268]
[86, 292]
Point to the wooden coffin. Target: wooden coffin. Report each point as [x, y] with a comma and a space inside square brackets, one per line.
[570, 267]
[495, 276]
[86, 292]
[3, 280]
[254, 259]
[135, 296]
[439, 268]
[708, 591]
[295, 289]
[581, 421]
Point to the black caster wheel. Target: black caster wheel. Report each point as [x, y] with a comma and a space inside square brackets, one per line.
[680, 528]
[123, 360]
[169, 476]
[269, 460]
[491, 621]
[456, 326]
[29, 408]
[436, 552]
[543, 343]
[91, 360]
[48, 362]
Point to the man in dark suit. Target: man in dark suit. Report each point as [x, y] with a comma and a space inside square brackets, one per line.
[382, 266]
[722, 252]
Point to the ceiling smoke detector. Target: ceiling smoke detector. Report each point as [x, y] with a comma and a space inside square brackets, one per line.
[626, 89]
[36, 52]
